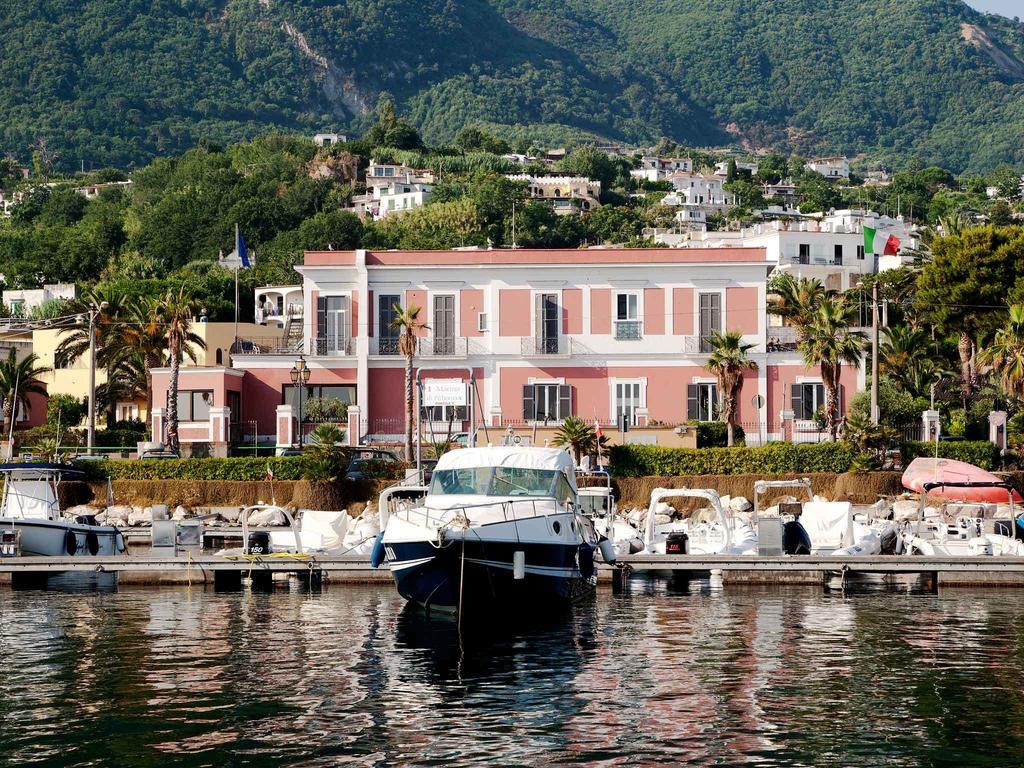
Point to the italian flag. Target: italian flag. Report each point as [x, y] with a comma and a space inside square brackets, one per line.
[880, 242]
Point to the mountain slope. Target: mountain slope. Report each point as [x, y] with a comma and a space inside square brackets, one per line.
[118, 81]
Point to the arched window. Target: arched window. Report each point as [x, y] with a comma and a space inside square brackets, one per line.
[558, 193]
[220, 357]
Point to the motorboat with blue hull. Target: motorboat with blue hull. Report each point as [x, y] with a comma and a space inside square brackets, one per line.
[499, 529]
[30, 515]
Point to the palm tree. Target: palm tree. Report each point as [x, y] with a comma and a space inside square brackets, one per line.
[114, 307]
[175, 311]
[1005, 355]
[829, 342]
[407, 323]
[727, 362]
[907, 356]
[18, 380]
[796, 300]
[578, 435]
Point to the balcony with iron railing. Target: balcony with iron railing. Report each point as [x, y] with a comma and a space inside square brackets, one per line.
[628, 330]
[266, 345]
[332, 346]
[546, 346]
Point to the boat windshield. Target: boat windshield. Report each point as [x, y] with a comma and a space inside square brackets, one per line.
[500, 481]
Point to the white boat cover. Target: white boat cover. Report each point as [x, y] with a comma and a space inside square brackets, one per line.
[29, 498]
[829, 524]
[516, 457]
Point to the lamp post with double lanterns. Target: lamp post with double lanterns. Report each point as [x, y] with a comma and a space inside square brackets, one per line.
[300, 377]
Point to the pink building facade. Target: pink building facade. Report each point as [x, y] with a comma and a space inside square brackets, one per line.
[603, 334]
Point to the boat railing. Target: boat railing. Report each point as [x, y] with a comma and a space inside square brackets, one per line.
[510, 509]
[763, 486]
[244, 518]
[709, 495]
[930, 486]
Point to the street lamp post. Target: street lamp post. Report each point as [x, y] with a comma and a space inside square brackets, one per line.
[94, 312]
[300, 377]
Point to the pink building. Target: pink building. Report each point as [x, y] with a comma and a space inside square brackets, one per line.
[597, 333]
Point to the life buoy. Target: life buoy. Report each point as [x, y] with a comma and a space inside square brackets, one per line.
[70, 542]
[92, 543]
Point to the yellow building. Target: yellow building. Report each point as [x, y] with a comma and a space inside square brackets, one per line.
[73, 379]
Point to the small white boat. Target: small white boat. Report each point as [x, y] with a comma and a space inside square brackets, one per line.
[30, 514]
[818, 527]
[598, 503]
[962, 528]
[712, 530]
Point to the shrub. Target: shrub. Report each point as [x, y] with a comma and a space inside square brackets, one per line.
[714, 434]
[71, 410]
[981, 453]
[240, 468]
[777, 458]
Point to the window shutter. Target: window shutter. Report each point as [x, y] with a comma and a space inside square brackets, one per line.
[715, 406]
[716, 313]
[564, 401]
[529, 405]
[692, 402]
[797, 401]
[321, 317]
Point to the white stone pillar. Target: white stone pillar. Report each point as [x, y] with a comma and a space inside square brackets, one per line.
[930, 426]
[354, 424]
[157, 425]
[997, 428]
[285, 426]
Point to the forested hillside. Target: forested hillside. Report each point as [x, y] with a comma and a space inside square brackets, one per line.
[117, 82]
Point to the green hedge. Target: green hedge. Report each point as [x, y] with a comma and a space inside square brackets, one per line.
[981, 453]
[777, 458]
[244, 468]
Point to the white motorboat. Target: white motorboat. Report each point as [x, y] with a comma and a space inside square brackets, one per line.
[500, 528]
[819, 527]
[30, 515]
[598, 503]
[711, 530]
[962, 528]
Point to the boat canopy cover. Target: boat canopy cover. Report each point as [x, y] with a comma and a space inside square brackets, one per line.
[989, 487]
[828, 523]
[39, 469]
[515, 457]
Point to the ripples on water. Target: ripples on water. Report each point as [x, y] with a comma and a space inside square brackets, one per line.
[652, 677]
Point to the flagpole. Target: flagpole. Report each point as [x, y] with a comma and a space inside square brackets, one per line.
[236, 283]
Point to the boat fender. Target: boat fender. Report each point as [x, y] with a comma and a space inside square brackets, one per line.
[377, 554]
[607, 547]
[92, 543]
[585, 559]
[119, 547]
[70, 543]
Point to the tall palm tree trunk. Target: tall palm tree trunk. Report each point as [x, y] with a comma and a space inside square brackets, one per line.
[729, 407]
[172, 399]
[830, 379]
[965, 348]
[409, 404]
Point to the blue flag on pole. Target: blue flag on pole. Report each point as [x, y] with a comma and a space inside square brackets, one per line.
[240, 250]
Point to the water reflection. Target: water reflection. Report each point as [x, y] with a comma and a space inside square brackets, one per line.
[661, 675]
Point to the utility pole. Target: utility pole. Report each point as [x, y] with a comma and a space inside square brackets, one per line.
[874, 350]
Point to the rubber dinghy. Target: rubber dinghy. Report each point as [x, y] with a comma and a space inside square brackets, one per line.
[937, 471]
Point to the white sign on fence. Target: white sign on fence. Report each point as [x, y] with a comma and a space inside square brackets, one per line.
[444, 392]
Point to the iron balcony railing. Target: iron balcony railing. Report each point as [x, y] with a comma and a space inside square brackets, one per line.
[331, 345]
[551, 345]
[268, 345]
[629, 330]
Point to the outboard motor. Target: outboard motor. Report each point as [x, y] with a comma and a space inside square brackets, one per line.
[795, 540]
[677, 543]
[259, 543]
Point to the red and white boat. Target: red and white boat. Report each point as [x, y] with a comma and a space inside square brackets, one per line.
[956, 481]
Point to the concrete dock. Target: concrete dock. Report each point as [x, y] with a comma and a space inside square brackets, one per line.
[227, 571]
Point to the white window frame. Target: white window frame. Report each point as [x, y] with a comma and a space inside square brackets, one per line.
[456, 309]
[559, 382]
[613, 384]
[707, 382]
[808, 380]
[481, 322]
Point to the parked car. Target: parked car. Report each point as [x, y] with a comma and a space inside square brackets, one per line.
[369, 463]
[290, 452]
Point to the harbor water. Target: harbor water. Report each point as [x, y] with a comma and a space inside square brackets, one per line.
[658, 675]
